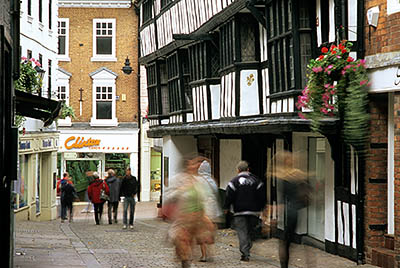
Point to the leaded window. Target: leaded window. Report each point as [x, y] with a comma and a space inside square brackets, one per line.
[164, 3]
[227, 44]
[290, 43]
[62, 93]
[203, 61]
[151, 72]
[147, 9]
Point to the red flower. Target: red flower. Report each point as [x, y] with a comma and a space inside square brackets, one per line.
[324, 50]
[321, 57]
[350, 59]
[332, 47]
[333, 51]
[341, 47]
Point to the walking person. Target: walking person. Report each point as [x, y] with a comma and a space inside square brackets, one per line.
[246, 194]
[112, 204]
[61, 182]
[295, 192]
[94, 193]
[68, 195]
[212, 208]
[129, 189]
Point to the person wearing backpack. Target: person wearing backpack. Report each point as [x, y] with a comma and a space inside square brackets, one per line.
[95, 189]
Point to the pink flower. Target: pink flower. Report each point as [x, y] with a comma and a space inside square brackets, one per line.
[324, 110]
[329, 67]
[31, 59]
[24, 58]
[317, 69]
[362, 61]
[347, 67]
[363, 82]
[343, 72]
[339, 57]
[301, 115]
[327, 85]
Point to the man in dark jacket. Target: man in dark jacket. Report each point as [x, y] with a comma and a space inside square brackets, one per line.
[114, 185]
[68, 194]
[129, 189]
[246, 194]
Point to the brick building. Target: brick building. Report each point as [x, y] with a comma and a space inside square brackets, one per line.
[382, 209]
[95, 39]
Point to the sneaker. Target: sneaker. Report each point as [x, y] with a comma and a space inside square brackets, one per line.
[124, 227]
[131, 226]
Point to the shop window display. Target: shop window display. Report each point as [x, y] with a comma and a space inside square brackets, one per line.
[20, 186]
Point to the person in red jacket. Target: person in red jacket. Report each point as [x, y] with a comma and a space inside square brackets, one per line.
[94, 196]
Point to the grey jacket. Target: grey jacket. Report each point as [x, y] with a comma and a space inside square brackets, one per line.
[115, 185]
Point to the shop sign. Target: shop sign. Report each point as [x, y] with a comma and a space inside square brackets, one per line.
[80, 142]
[47, 143]
[25, 145]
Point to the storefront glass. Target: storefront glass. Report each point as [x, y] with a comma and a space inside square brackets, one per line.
[155, 175]
[20, 186]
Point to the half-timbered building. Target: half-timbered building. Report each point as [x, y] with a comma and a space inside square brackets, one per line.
[223, 78]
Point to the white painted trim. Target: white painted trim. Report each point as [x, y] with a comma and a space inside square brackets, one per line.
[393, 6]
[332, 31]
[101, 83]
[390, 164]
[111, 57]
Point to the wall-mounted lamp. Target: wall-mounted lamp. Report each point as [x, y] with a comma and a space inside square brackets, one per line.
[127, 69]
[373, 16]
[40, 73]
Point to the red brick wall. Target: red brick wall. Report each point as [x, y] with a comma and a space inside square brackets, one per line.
[397, 170]
[386, 37]
[376, 169]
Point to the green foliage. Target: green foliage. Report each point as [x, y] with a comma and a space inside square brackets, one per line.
[66, 111]
[29, 80]
[337, 87]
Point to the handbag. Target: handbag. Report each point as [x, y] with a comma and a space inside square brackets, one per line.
[103, 195]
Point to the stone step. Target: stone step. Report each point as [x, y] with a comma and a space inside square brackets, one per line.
[383, 257]
[389, 241]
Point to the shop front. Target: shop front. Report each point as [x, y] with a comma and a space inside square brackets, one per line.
[91, 150]
[34, 191]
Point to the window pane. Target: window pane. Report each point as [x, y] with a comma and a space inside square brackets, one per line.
[98, 25]
[104, 96]
[109, 89]
[103, 45]
[110, 96]
[98, 96]
[61, 45]
[103, 25]
[103, 110]
[97, 89]
[110, 25]
[103, 89]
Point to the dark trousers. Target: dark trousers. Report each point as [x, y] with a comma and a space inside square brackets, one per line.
[98, 211]
[245, 225]
[131, 203]
[65, 206]
[284, 245]
[114, 207]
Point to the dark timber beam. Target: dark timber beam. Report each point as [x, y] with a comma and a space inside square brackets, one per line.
[257, 14]
[196, 37]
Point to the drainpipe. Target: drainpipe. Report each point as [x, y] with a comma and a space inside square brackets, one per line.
[137, 11]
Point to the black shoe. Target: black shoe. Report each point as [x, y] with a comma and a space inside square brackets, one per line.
[97, 223]
[110, 222]
[185, 264]
[244, 258]
[115, 221]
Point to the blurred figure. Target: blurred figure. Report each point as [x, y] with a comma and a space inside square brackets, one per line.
[212, 207]
[189, 221]
[246, 194]
[112, 203]
[129, 189]
[68, 195]
[295, 192]
[63, 181]
[94, 191]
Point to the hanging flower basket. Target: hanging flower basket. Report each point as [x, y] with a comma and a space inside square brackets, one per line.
[337, 87]
[29, 80]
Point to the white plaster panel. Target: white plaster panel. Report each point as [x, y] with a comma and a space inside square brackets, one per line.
[346, 212]
[249, 99]
[352, 20]
[205, 103]
[354, 226]
[329, 195]
[339, 222]
[215, 101]
[273, 107]
[230, 155]
[291, 105]
[285, 106]
[233, 97]
[332, 32]
[194, 97]
[189, 117]
[318, 10]
[228, 100]
[279, 106]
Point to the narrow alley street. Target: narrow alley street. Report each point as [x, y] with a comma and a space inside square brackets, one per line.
[83, 244]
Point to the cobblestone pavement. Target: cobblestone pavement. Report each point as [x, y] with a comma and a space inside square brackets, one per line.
[84, 244]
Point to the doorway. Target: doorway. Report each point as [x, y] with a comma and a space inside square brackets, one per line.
[317, 174]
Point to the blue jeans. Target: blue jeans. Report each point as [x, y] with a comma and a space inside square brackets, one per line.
[129, 202]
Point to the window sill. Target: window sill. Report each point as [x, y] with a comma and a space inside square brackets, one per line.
[50, 33]
[30, 19]
[64, 122]
[63, 58]
[103, 123]
[21, 13]
[41, 26]
[98, 58]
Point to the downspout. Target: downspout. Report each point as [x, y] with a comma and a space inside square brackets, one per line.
[361, 181]
[137, 11]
